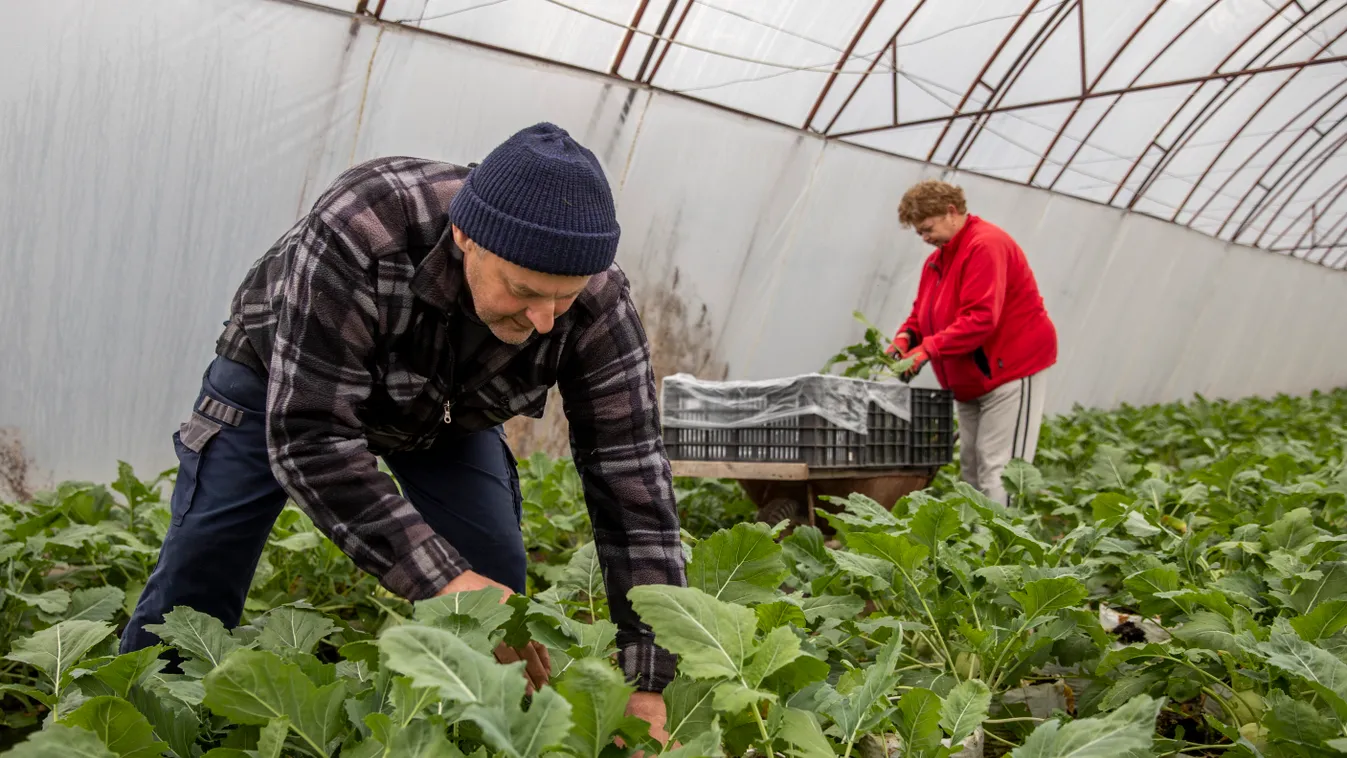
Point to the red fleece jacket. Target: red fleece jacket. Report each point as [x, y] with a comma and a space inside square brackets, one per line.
[979, 314]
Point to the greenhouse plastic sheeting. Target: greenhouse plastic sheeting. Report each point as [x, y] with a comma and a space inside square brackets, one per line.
[692, 403]
[150, 158]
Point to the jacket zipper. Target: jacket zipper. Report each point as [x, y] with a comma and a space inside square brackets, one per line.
[930, 315]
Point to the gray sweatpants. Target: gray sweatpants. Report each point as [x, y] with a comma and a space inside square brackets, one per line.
[997, 427]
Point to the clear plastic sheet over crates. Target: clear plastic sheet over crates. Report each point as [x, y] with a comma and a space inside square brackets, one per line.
[817, 419]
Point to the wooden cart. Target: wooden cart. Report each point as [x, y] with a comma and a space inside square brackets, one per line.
[793, 490]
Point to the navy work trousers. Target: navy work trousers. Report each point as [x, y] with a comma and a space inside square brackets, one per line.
[226, 500]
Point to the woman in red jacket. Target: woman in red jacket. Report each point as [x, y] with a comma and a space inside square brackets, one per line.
[980, 322]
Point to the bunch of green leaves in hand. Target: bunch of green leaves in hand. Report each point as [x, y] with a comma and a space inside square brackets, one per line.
[869, 358]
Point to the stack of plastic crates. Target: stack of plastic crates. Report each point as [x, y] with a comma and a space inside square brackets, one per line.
[927, 441]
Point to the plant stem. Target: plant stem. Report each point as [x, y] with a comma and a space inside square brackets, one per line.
[1193, 746]
[1225, 705]
[999, 738]
[1013, 720]
[762, 729]
[935, 627]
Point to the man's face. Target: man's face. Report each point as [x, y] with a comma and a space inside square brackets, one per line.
[938, 230]
[511, 300]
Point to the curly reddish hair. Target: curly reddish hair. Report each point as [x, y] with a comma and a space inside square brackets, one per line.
[928, 198]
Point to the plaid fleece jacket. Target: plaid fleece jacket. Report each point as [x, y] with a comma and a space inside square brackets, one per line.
[349, 316]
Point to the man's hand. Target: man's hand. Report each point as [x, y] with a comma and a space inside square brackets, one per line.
[537, 661]
[649, 707]
[471, 580]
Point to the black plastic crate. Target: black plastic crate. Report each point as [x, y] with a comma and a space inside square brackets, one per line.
[890, 441]
[806, 438]
[931, 441]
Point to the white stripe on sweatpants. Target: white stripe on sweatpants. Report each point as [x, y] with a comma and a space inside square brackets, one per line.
[1001, 425]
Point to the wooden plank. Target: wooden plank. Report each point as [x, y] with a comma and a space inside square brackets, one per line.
[866, 473]
[781, 472]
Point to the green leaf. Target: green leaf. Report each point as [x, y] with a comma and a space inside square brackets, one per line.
[1213, 600]
[1045, 596]
[1111, 469]
[849, 712]
[271, 742]
[1326, 620]
[440, 660]
[801, 730]
[119, 725]
[734, 697]
[288, 630]
[859, 511]
[54, 602]
[437, 658]
[46, 698]
[1021, 478]
[483, 606]
[864, 566]
[525, 735]
[779, 614]
[1322, 670]
[298, 543]
[124, 671]
[1332, 585]
[1130, 728]
[934, 522]
[1146, 585]
[705, 744]
[965, 709]
[1292, 720]
[777, 649]
[797, 675]
[1137, 525]
[919, 721]
[805, 550]
[256, 686]
[196, 633]
[173, 722]
[893, 548]
[96, 604]
[1131, 685]
[713, 639]
[58, 741]
[688, 703]
[1153, 493]
[738, 565]
[1015, 535]
[1294, 530]
[55, 650]
[423, 739]
[598, 696]
[1208, 630]
[583, 572]
[1109, 508]
[832, 606]
[187, 691]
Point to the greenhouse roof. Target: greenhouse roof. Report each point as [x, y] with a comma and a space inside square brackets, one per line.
[1226, 116]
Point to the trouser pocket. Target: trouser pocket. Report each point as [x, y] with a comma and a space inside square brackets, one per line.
[512, 470]
[191, 442]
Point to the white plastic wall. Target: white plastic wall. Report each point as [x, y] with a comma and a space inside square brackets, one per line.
[148, 158]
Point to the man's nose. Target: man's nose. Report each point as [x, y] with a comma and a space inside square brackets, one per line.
[543, 317]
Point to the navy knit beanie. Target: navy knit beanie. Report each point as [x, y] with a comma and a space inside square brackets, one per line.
[540, 200]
